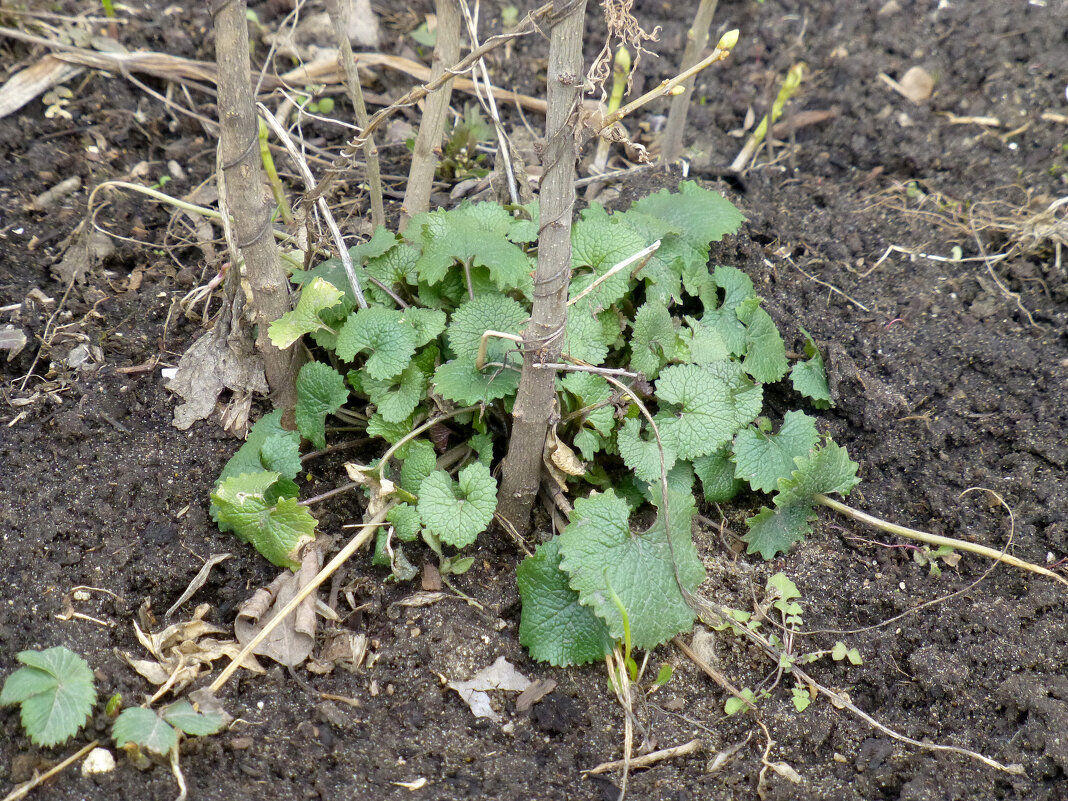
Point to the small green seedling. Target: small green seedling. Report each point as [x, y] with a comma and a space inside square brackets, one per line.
[56, 692]
[782, 608]
[138, 730]
[461, 158]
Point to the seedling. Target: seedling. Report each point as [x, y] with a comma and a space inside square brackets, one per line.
[56, 692]
[461, 158]
[782, 609]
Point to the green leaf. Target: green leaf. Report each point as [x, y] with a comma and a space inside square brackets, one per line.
[654, 339]
[702, 216]
[482, 444]
[824, 470]
[182, 716]
[765, 352]
[321, 391]
[554, 626]
[333, 271]
[602, 557]
[275, 530]
[396, 398]
[384, 333]
[810, 377]
[248, 458]
[716, 471]
[406, 521]
[390, 432]
[591, 390]
[734, 705]
[762, 459]
[598, 243]
[704, 343]
[737, 287]
[711, 404]
[460, 382]
[801, 698]
[56, 691]
[304, 319]
[640, 455]
[584, 337]
[485, 313]
[395, 268]
[144, 728]
[418, 463]
[472, 235]
[772, 531]
[281, 454]
[457, 511]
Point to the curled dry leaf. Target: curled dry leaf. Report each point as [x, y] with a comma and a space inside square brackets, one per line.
[183, 650]
[291, 641]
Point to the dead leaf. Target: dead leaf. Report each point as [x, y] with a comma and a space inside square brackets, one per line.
[13, 340]
[342, 649]
[24, 86]
[501, 675]
[534, 693]
[915, 85]
[198, 581]
[291, 642]
[213, 363]
[87, 246]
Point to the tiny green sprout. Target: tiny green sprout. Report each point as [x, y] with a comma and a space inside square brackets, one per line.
[734, 705]
[424, 36]
[509, 17]
[801, 698]
[114, 706]
[663, 677]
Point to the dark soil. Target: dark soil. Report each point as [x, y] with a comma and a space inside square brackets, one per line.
[942, 383]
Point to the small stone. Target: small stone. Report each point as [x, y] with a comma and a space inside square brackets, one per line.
[98, 761]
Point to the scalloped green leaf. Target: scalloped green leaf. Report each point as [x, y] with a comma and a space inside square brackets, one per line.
[472, 235]
[56, 692]
[144, 728]
[281, 454]
[701, 215]
[456, 512]
[395, 268]
[584, 337]
[703, 407]
[406, 521]
[716, 471]
[304, 319]
[384, 334]
[825, 469]
[333, 271]
[554, 626]
[485, 313]
[762, 458]
[182, 716]
[653, 340]
[460, 382]
[598, 243]
[276, 529]
[590, 390]
[765, 352]
[703, 344]
[321, 391]
[603, 558]
[419, 462]
[810, 377]
[642, 455]
[396, 398]
[773, 531]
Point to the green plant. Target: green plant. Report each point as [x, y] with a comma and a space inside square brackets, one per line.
[782, 608]
[435, 352]
[138, 730]
[460, 155]
[56, 692]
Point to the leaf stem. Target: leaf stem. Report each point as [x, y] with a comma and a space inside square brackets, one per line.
[415, 432]
[934, 539]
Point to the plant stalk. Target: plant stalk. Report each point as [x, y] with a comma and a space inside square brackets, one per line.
[238, 136]
[934, 539]
[543, 336]
[432, 123]
[696, 40]
[352, 84]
